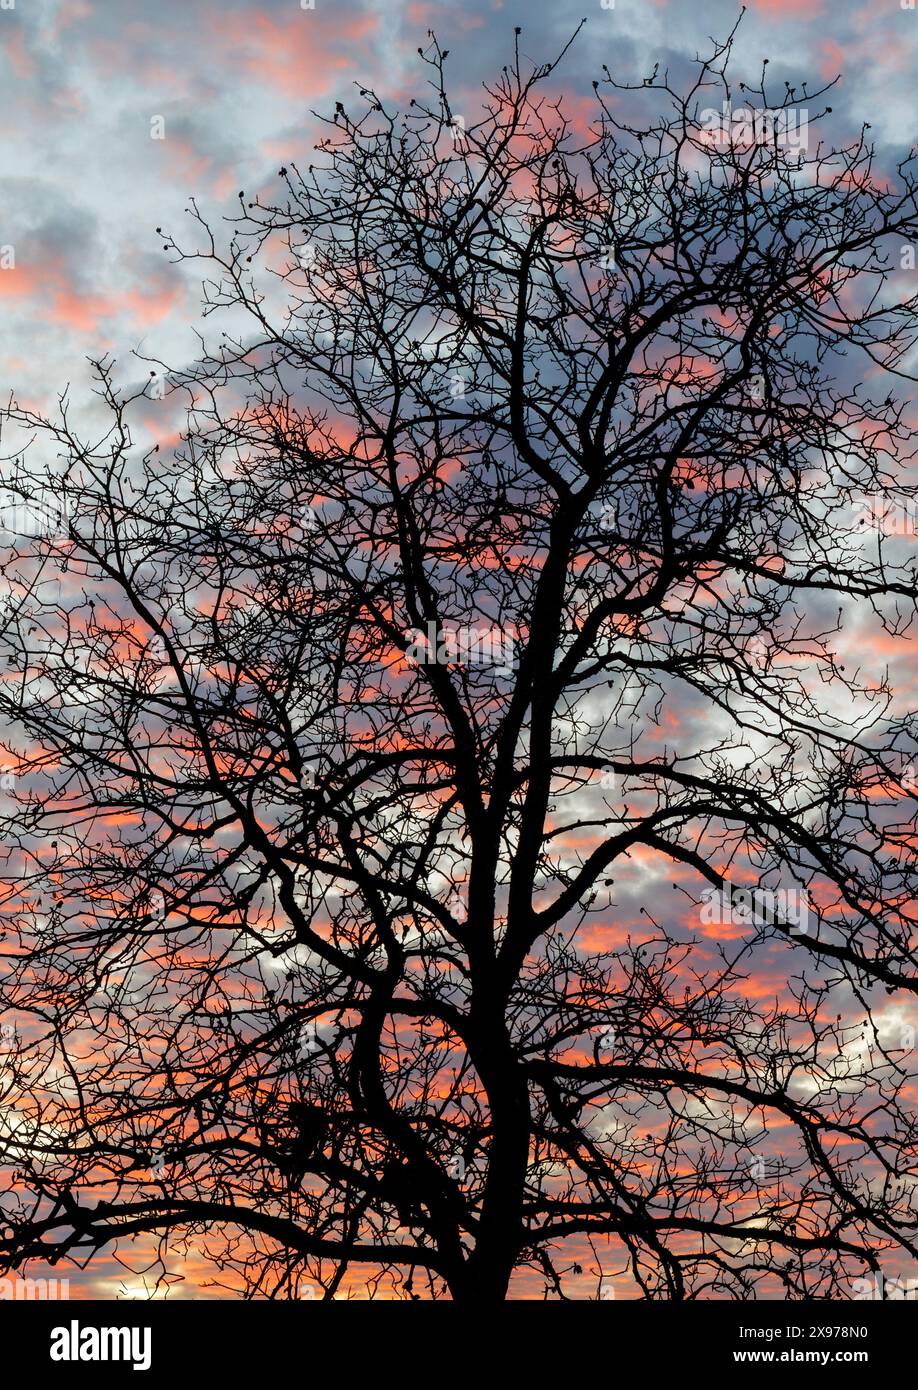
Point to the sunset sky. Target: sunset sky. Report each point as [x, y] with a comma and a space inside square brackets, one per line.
[85, 185]
[232, 87]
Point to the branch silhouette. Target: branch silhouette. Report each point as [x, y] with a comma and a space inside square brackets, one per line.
[513, 519]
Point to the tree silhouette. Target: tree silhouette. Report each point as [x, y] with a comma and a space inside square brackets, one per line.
[446, 840]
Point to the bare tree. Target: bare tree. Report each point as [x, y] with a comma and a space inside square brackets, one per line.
[518, 513]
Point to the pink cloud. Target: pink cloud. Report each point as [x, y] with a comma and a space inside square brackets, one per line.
[18, 55]
[290, 54]
[800, 9]
[19, 280]
[81, 312]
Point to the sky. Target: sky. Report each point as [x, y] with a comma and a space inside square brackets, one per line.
[90, 87]
[114, 114]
